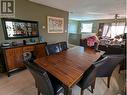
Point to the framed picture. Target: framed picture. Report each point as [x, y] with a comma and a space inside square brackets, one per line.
[17, 28]
[55, 24]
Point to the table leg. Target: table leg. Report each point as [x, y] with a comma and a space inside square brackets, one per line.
[67, 90]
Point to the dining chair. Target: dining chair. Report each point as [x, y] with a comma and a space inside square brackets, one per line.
[39, 50]
[63, 46]
[44, 82]
[122, 65]
[106, 66]
[88, 79]
[52, 49]
[27, 56]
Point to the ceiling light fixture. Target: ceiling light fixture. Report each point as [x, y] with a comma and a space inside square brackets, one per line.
[116, 19]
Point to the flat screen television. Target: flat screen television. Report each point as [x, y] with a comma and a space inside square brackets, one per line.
[16, 28]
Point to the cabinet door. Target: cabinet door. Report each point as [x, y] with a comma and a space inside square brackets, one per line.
[10, 59]
[39, 50]
[19, 57]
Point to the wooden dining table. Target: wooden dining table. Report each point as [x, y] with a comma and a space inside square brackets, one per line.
[69, 66]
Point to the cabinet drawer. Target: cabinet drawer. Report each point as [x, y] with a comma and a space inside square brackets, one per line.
[28, 48]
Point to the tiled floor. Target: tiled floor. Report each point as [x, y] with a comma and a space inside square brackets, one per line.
[22, 83]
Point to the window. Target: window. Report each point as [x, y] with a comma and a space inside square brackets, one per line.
[125, 29]
[113, 30]
[72, 28]
[86, 27]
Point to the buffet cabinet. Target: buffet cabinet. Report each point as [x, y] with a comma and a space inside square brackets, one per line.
[13, 56]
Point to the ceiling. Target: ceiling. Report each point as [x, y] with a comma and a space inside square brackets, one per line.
[88, 9]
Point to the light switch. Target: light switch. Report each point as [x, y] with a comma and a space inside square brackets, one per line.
[43, 27]
[65, 30]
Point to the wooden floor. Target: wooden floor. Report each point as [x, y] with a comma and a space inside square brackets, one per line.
[22, 83]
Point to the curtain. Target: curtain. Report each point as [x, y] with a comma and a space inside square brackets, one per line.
[100, 29]
[112, 30]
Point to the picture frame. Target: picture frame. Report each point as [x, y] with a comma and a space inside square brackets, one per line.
[18, 28]
[55, 24]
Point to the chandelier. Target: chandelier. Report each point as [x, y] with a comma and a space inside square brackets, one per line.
[116, 19]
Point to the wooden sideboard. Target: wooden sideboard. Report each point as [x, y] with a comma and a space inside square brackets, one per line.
[13, 56]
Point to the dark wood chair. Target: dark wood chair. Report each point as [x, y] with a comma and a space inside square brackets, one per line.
[52, 49]
[106, 66]
[63, 46]
[88, 79]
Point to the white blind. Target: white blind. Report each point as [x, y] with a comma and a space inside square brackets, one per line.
[86, 27]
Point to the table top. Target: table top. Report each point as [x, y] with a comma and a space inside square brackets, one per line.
[69, 66]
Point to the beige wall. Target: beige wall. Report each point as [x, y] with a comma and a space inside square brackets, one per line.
[26, 10]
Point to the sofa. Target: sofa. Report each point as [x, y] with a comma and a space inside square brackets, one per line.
[89, 42]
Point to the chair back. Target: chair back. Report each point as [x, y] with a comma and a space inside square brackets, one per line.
[42, 80]
[106, 65]
[27, 56]
[63, 46]
[52, 49]
[88, 78]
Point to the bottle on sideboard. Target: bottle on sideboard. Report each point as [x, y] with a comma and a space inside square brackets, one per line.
[24, 42]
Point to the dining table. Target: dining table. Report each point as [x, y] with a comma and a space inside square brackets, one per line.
[69, 66]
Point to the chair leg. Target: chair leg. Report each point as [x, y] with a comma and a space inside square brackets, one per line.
[38, 92]
[108, 82]
[119, 70]
[82, 91]
[92, 87]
